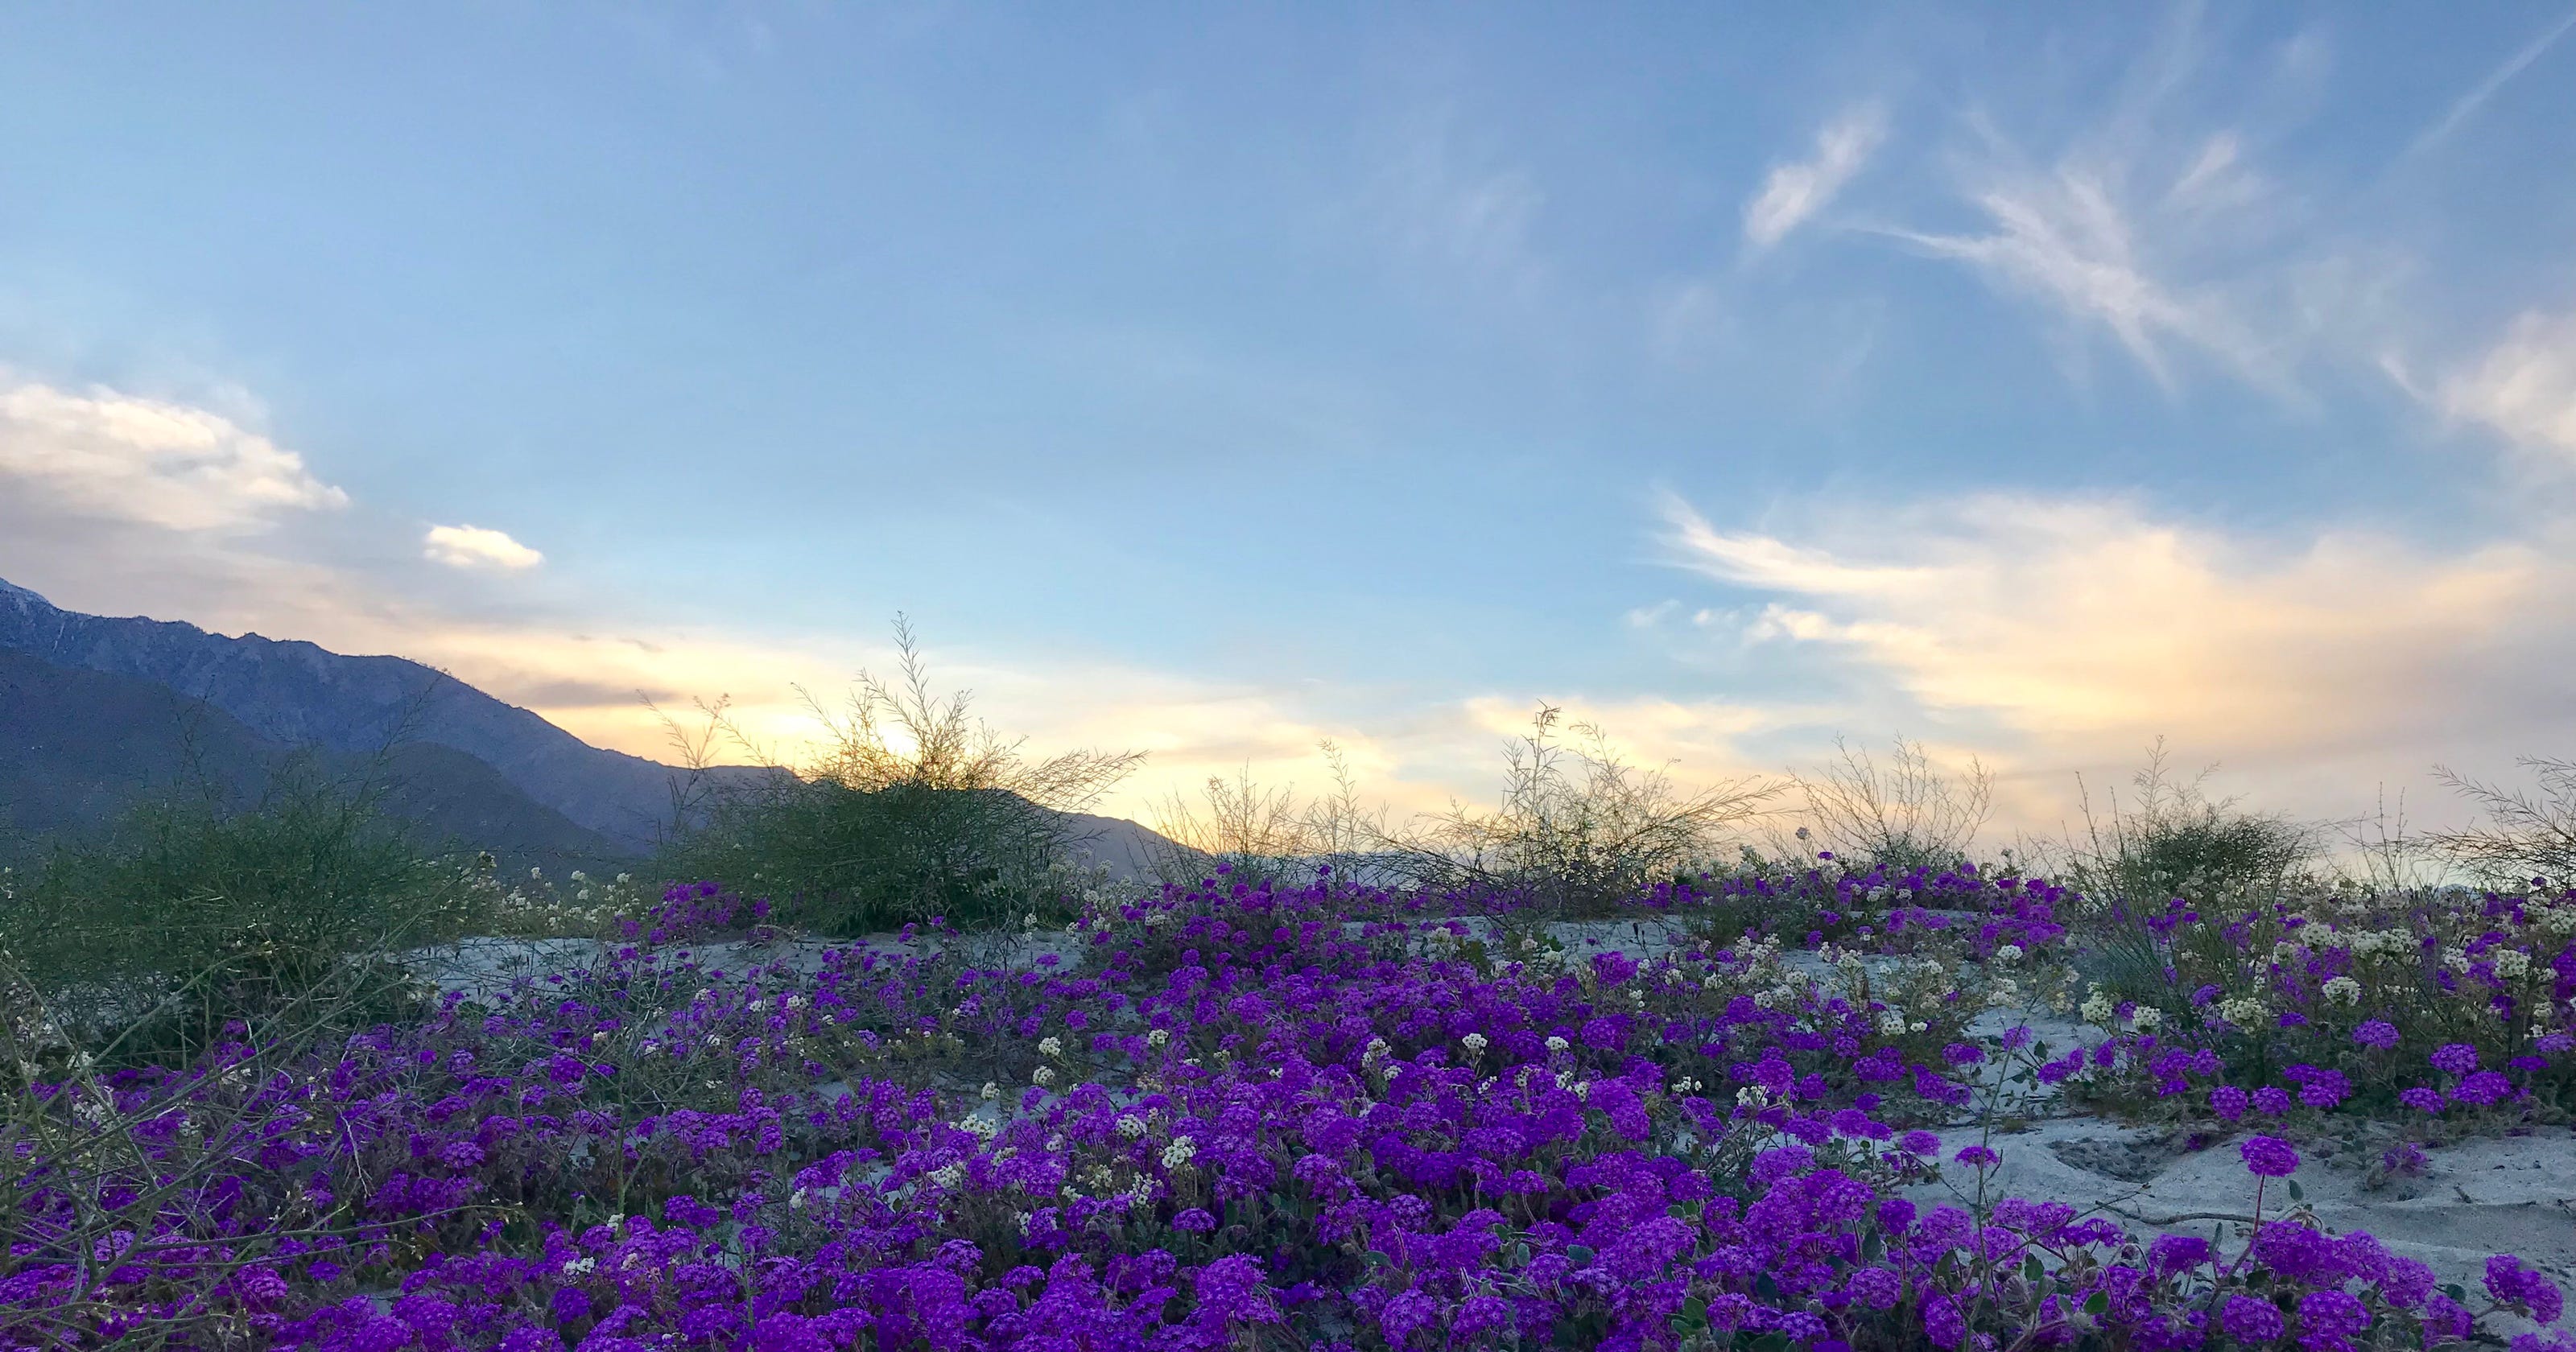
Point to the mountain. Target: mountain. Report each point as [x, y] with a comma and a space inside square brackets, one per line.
[298, 694]
[472, 760]
[77, 748]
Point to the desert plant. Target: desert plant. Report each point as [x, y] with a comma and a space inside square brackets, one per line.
[1578, 829]
[2172, 841]
[2527, 835]
[1258, 833]
[912, 809]
[193, 911]
[1904, 815]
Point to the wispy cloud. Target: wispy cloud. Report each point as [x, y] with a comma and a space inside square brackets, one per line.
[117, 457]
[477, 547]
[2477, 97]
[2523, 387]
[2065, 239]
[1793, 193]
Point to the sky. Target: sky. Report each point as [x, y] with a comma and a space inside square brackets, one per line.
[2033, 382]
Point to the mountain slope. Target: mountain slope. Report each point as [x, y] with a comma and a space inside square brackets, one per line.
[296, 693]
[77, 748]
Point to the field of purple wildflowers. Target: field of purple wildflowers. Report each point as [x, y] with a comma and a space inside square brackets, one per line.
[1312, 1114]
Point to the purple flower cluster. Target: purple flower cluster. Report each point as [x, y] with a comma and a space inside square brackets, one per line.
[1239, 1115]
[2437, 1003]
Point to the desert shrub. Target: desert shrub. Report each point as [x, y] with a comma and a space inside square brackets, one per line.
[1257, 833]
[1579, 830]
[2171, 841]
[1902, 816]
[193, 912]
[911, 809]
[2528, 835]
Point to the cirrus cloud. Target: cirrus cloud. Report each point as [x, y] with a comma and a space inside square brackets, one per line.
[1794, 192]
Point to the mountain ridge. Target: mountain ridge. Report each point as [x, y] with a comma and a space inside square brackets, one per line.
[294, 693]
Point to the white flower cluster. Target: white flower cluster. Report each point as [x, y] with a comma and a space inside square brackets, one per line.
[1051, 1046]
[1131, 1126]
[2342, 990]
[2380, 945]
[1180, 1152]
[1473, 1042]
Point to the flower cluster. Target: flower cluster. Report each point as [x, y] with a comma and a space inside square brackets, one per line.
[1282, 1116]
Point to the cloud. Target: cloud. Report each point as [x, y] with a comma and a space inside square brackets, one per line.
[109, 456]
[1795, 192]
[2477, 97]
[2524, 386]
[2078, 628]
[478, 547]
[2066, 240]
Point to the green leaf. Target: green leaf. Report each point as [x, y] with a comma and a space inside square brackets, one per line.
[2032, 1269]
[2097, 1303]
[1578, 1254]
[1696, 1308]
[1680, 1211]
[1377, 1259]
[2297, 1193]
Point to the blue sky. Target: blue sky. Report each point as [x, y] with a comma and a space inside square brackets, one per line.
[2030, 383]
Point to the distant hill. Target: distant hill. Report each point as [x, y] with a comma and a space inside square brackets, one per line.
[77, 748]
[469, 766]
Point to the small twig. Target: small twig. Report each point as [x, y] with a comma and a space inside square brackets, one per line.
[2184, 1216]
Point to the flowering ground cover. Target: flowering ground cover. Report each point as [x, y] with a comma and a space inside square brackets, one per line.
[1314, 1116]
